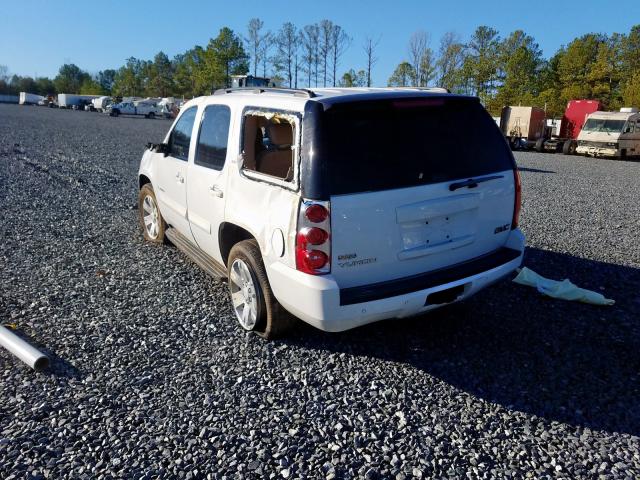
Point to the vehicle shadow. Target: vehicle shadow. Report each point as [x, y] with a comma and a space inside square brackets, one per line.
[534, 170]
[563, 361]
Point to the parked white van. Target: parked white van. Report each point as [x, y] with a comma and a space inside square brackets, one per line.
[339, 207]
[611, 134]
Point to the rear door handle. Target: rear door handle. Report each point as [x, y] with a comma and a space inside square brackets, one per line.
[179, 178]
[216, 191]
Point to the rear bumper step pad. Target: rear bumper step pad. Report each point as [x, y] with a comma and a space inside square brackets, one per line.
[415, 283]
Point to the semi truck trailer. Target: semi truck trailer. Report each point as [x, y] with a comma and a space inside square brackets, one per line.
[68, 100]
[522, 126]
[29, 98]
[572, 121]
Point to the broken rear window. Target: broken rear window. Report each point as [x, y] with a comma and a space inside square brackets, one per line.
[268, 145]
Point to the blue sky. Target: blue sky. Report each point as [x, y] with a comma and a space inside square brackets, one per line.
[36, 37]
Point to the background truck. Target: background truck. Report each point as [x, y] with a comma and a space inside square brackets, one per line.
[149, 108]
[611, 134]
[572, 121]
[29, 98]
[523, 126]
[68, 100]
[100, 104]
[239, 81]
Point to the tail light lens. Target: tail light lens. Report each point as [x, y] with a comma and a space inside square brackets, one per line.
[518, 200]
[316, 213]
[313, 245]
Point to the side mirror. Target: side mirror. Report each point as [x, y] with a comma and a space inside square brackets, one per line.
[159, 148]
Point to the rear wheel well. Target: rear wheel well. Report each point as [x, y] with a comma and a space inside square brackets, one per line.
[143, 180]
[228, 235]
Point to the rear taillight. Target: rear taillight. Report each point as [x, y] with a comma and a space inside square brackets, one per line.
[313, 238]
[518, 199]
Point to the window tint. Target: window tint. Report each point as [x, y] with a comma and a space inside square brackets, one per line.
[400, 143]
[181, 135]
[213, 136]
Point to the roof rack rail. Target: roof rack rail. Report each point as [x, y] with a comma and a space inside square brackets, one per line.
[298, 92]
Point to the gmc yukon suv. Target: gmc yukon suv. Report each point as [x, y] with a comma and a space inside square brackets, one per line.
[339, 207]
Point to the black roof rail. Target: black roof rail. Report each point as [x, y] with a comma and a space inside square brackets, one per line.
[299, 92]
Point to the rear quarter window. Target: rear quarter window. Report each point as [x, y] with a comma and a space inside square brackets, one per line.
[407, 142]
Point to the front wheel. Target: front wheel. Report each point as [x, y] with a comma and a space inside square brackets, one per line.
[569, 147]
[151, 115]
[153, 225]
[254, 304]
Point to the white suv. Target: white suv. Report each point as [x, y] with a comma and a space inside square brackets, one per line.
[340, 207]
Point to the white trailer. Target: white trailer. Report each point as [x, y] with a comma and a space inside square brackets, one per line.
[68, 100]
[29, 98]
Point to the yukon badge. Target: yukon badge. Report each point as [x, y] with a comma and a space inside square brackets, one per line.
[348, 260]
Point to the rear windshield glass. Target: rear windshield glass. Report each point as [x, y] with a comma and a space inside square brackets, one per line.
[399, 143]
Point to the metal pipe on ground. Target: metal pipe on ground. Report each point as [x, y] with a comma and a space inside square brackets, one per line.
[21, 349]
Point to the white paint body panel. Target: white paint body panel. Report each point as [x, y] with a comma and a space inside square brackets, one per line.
[389, 225]
[403, 232]
[316, 299]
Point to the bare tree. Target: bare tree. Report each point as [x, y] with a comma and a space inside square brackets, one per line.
[287, 55]
[254, 42]
[4, 73]
[309, 39]
[450, 61]
[427, 72]
[326, 44]
[369, 47]
[340, 41]
[265, 47]
[418, 44]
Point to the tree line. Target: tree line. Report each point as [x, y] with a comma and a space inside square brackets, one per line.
[512, 70]
[501, 71]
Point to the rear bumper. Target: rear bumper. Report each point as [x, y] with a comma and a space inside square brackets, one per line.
[598, 151]
[319, 301]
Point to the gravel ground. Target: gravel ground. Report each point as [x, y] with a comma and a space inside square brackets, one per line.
[151, 378]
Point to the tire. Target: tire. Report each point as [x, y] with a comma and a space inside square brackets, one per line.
[151, 115]
[540, 145]
[115, 113]
[152, 228]
[263, 315]
[513, 143]
[569, 147]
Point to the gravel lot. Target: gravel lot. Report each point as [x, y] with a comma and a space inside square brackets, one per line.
[151, 378]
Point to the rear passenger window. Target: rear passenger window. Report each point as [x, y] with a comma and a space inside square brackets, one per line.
[180, 137]
[213, 137]
[268, 144]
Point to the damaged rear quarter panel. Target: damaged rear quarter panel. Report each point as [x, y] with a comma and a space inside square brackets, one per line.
[262, 205]
[261, 208]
